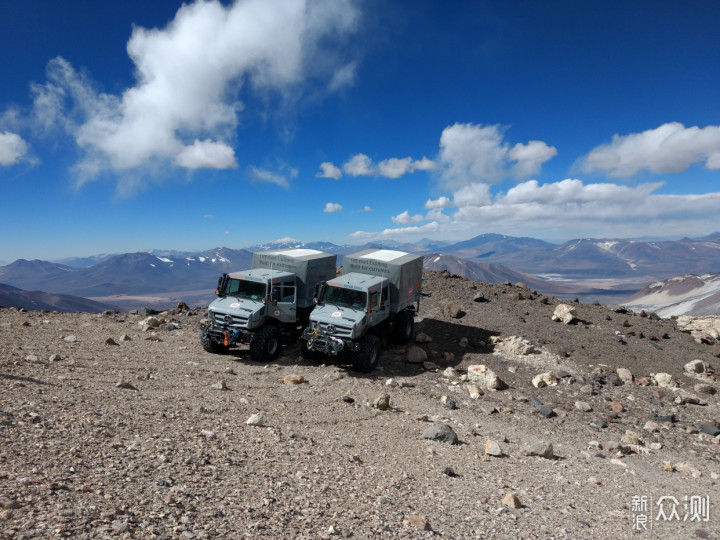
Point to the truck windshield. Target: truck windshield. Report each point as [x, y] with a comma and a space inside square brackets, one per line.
[345, 297]
[244, 289]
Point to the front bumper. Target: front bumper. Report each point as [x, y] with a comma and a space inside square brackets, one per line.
[325, 342]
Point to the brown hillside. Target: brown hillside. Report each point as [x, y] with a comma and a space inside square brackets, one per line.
[109, 431]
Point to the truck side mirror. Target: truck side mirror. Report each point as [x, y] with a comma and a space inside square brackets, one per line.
[275, 295]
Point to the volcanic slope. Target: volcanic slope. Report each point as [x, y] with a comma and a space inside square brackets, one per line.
[114, 425]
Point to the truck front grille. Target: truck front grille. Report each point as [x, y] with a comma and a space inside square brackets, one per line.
[336, 330]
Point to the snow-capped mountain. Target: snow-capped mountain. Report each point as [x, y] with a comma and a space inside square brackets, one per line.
[688, 294]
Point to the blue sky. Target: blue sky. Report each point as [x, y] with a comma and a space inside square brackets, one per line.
[140, 125]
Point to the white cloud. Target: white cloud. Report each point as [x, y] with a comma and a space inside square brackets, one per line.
[285, 239]
[261, 175]
[401, 231]
[476, 194]
[343, 77]
[189, 78]
[332, 207]
[405, 218]
[328, 170]
[670, 148]
[359, 165]
[436, 214]
[208, 216]
[442, 202]
[529, 157]
[12, 148]
[567, 209]
[476, 153]
[362, 165]
[367, 209]
[395, 167]
[206, 155]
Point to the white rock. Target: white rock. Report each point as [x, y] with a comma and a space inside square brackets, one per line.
[545, 379]
[484, 377]
[257, 419]
[696, 366]
[564, 313]
[664, 380]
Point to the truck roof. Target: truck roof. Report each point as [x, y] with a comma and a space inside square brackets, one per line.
[356, 280]
[260, 274]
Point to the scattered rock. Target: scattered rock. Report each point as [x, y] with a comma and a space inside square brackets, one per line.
[454, 311]
[704, 388]
[442, 433]
[257, 419]
[511, 500]
[664, 380]
[382, 402]
[583, 406]
[111, 341]
[423, 338]
[293, 379]
[416, 355]
[625, 375]
[222, 385]
[545, 379]
[492, 448]
[540, 448]
[565, 314]
[484, 377]
[126, 385]
[696, 366]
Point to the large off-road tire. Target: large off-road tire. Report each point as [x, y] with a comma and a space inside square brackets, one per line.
[403, 327]
[265, 344]
[210, 345]
[307, 353]
[366, 359]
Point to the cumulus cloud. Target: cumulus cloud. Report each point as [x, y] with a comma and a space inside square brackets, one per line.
[332, 207]
[359, 165]
[405, 218]
[190, 75]
[436, 214]
[670, 148]
[476, 153]
[400, 231]
[261, 175]
[569, 208]
[442, 202]
[367, 209]
[206, 154]
[328, 170]
[12, 148]
[362, 165]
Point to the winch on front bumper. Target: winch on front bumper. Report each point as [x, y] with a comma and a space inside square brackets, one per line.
[225, 335]
[323, 339]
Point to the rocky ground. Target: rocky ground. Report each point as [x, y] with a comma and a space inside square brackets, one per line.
[111, 428]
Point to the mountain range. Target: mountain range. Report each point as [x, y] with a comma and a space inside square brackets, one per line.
[618, 267]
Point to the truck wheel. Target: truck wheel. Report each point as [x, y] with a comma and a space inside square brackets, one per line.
[366, 359]
[210, 345]
[403, 327]
[307, 353]
[265, 344]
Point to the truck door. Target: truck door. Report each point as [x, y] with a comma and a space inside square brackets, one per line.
[285, 309]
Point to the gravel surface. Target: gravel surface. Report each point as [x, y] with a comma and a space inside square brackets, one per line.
[108, 430]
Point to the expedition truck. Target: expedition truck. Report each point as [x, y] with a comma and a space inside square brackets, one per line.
[267, 303]
[377, 296]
